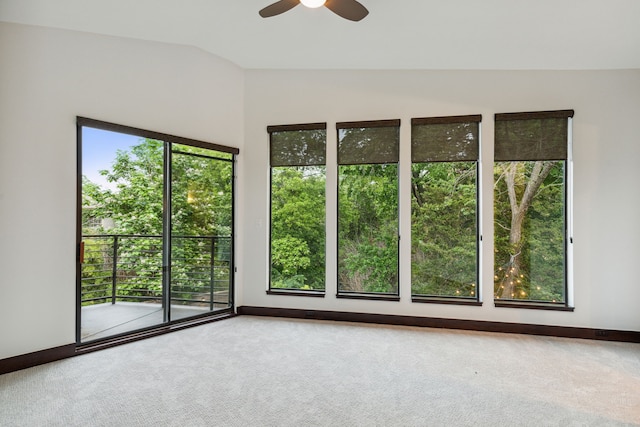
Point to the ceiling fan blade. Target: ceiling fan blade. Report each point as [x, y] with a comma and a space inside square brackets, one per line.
[278, 7]
[348, 9]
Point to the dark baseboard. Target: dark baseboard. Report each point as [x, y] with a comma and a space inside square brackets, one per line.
[30, 360]
[295, 293]
[433, 322]
[36, 358]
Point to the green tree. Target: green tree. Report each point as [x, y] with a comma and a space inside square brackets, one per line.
[135, 206]
[529, 230]
[444, 236]
[201, 206]
[201, 193]
[298, 227]
[368, 228]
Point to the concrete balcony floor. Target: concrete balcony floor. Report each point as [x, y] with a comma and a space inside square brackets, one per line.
[105, 320]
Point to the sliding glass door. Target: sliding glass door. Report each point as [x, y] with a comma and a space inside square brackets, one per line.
[201, 224]
[155, 231]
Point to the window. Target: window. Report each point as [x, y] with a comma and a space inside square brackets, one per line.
[444, 213]
[155, 230]
[368, 209]
[530, 207]
[297, 254]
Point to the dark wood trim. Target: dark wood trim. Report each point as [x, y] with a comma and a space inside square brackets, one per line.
[368, 124]
[433, 322]
[369, 297]
[446, 120]
[113, 127]
[296, 293]
[30, 360]
[440, 300]
[152, 332]
[303, 126]
[558, 114]
[36, 358]
[532, 305]
[201, 156]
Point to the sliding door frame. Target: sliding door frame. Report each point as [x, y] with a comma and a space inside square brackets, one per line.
[167, 325]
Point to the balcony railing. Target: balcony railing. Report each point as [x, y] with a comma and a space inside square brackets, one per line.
[129, 268]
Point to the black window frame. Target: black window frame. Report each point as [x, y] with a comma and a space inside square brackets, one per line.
[567, 304]
[291, 128]
[454, 120]
[374, 296]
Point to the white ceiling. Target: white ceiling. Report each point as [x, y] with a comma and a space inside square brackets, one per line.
[397, 34]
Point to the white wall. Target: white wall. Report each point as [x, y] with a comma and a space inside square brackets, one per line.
[606, 153]
[47, 78]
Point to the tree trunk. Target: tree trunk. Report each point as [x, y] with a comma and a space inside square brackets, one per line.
[417, 189]
[515, 177]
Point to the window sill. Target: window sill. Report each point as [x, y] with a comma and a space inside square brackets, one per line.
[370, 297]
[444, 300]
[532, 305]
[296, 293]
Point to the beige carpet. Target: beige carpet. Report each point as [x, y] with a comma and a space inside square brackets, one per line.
[250, 371]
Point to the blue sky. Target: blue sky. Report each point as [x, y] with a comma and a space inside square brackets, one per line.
[99, 151]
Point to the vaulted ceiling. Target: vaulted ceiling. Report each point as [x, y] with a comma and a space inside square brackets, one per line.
[397, 34]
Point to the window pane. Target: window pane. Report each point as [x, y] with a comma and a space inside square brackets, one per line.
[298, 177]
[368, 228]
[529, 217]
[298, 227]
[443, 229]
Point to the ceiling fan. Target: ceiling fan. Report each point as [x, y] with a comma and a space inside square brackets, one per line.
[348, 9]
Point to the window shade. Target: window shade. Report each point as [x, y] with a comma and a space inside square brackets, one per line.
[368, 142]
[298, 145]
[531, 136]
[445, 139]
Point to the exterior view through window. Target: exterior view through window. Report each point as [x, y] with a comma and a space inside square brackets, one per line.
[530, 206]
[532, 182]
[368, 207]
[444, 231]
[297, 159]
[156, 232]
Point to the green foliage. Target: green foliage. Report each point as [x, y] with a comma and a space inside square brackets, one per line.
[136, 205]
[539, 254]
[96, 271]
[201, 193]
[368, 228]
[444, 227]
[444, 230]
[290, 255]
[201, 206]
[298, 227]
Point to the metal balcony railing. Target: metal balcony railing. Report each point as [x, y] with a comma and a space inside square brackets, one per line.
[129, 268]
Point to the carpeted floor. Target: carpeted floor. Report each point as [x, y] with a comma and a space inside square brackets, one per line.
[250, 371]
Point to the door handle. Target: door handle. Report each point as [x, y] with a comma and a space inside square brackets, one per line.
[81, 253]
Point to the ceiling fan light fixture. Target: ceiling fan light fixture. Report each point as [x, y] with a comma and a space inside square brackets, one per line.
[347, 9]
[313, 3]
